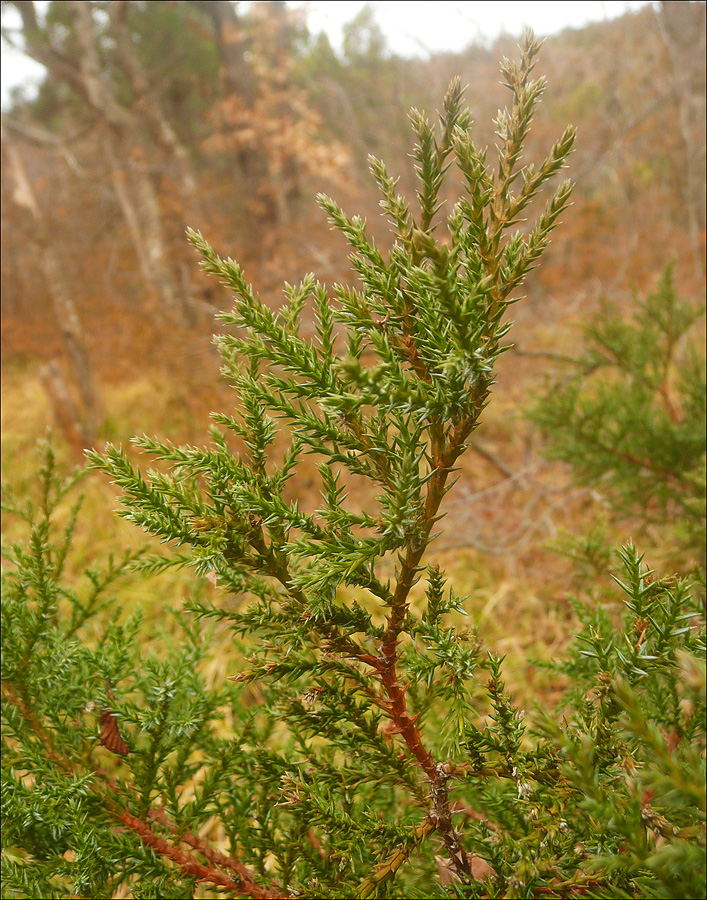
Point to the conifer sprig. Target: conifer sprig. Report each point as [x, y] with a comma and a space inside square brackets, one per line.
[633, 412]
[389, 388]
[363, 743]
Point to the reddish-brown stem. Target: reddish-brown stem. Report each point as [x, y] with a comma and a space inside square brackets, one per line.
[637, 461]
[440, 814]
[191, 866]
[405, 725]
[11, 695]
[444, 455]
[244, 886]
[569, 887]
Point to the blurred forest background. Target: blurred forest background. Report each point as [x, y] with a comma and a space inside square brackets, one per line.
[155, 116]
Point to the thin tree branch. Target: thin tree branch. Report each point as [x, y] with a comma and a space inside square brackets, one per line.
[191, 866]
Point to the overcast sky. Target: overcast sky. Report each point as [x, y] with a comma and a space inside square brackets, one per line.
[411, 27]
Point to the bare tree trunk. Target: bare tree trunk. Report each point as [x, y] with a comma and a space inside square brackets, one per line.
[236, 77]
[162, 132]
[138, 201]
[65, 411]
[118, 178]
[64, 310]
[682, 28]
[129, 175]
[176, 157]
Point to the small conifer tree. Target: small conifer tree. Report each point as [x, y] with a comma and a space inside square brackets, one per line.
[365, 744]
[632, 417]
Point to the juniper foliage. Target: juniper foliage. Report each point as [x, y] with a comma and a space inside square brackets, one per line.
[631, 418]
[366, 745]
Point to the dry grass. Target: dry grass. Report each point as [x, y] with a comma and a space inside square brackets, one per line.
[493, 539]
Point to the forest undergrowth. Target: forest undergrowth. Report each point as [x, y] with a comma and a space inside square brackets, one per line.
[284, 701]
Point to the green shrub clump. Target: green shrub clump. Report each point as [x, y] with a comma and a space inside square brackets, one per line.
[364, 744]
[632, 419]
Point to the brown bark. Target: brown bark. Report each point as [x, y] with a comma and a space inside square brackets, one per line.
[66, 315]
[96, 88]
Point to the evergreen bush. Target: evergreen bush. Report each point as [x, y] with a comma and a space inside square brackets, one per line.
[365, 744]
[632, 418]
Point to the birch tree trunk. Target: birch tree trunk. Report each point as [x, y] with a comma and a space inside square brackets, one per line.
[161, 131]
[79, 426]
[122, 140]
[128, 167]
